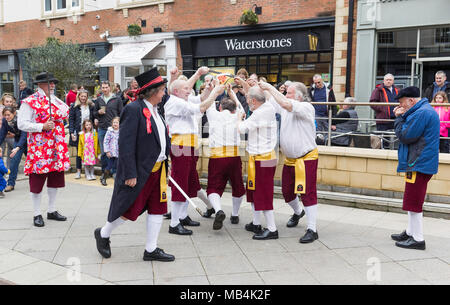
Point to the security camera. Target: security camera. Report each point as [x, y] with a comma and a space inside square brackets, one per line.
[95, 27]
[103, 35]
[97, 17]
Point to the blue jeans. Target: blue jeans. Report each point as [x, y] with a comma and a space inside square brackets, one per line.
[101, 138]
[15, 162]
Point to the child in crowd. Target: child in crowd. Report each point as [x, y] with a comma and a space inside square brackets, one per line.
[444, 116]
[111, 146]
[3, 171]
[88, 148]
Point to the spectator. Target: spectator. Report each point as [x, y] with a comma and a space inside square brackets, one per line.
[345, 121]
[242, 73]
[444, 117]
[384, 93]
[81, 110]
[440, 84]
[88, 148]
[3, 171]
[71, 97]
[252, 80]
[129, 94]
[320, 93]
[282, 88]
[7, 100]
[111, 145]
[107, 106]
[24, 92]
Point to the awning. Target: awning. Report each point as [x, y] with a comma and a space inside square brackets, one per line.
[127, 54]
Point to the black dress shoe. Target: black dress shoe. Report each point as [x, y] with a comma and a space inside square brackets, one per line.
[309, 237]
[253, 228]
[56, 216]
[400, 237]
[38, 221]
[209, 213]
[411, 243]
[234, 220]
[103, 246]
[293, 221]
[168, 216]
[158, 255]
[103, 180]
[266, 234]
[179, 230]
[189, 222]
[218, 221]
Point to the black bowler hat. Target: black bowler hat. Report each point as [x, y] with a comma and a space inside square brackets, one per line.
[149, 79]
[42, 78]
[408, 92]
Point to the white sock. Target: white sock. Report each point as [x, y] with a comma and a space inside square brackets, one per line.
[417, 226]
[409, 229]
[52, 192]
[110, 226]
[36, 198]
[184, 210]
[154, 223]
[176, 210]
[295, 205]
[256, 216]
[236, 205]
[311, 215]
[214, 199]
[202, 195]
[270, 220]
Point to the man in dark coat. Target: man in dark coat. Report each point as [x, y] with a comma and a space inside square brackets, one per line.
[141, 180]
[440, 84]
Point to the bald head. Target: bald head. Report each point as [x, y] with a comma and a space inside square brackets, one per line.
[180, 88]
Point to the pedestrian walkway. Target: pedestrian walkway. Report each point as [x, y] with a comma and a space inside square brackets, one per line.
[354, 247]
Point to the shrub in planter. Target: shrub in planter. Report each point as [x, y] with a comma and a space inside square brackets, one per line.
[134, 30]
[249, 17]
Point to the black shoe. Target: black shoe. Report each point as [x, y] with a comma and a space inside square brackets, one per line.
[189, 222]
[103, 180]
[209, 213]
[218, 221]
[293, 221]
[168, 216]
[266, 234]
[103, 246]
[158, 255]
[309, 237]
[400, 237]
[179, 230]
[257, 229]
[411, 243]
[2, 195]
[234, 220]
[38, 221]
[56, 216]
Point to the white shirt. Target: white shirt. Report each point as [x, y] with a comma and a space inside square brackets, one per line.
[161, 130]
[85, 113]
[26, 119]
[181, 116]
[222, 127]
[298, 130]
[262, 130]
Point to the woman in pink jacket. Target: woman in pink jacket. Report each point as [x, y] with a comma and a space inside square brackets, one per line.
[444, 117]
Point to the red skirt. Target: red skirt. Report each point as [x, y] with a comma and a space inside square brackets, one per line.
[288, 183]
[54, 180]
[262, 196]
[149, 198]
[220, 170]
[184, 172]
[415, 193]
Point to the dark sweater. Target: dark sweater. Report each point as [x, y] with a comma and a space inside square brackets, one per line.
[113, 108]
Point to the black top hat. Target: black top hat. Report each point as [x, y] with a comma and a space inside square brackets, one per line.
[42, 78]
[408, 92]
[149, 79]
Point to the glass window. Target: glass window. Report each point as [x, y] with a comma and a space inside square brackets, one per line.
[274, 59]
[200, 62]
[132, 71]
[251, 70]
[298, 58]
[274, 68]
[242, 61]
[162, 70]
[435, 42]
[231, 61]
[220, 61]
[48, 5]
[211, 62]
[262, 69]
[61, 4]
[252, 60]
[75, 3]
[386, 37]
[325, 57]
[286, 58]
[263, 60]
[312, 57]
[303, 72]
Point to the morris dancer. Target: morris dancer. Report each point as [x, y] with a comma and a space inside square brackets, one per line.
[141, 179]
[297, 141]
[48, 155]
[181, 116]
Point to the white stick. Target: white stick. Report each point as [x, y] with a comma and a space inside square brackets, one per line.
[186, 196]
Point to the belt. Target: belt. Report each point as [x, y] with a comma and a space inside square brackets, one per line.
[224, 152]
[162, 180]
[410, 177]
[300, 170]
[251, 171]
[185, 140]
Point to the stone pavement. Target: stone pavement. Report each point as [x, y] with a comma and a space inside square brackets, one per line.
[354, 247]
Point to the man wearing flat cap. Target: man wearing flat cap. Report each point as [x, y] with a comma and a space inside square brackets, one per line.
[141, 179]
[417, 127]
[48, 156]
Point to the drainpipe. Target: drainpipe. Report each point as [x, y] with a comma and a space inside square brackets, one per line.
[348, 72]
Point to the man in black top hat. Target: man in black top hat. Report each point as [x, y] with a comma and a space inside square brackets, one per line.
[141, 179]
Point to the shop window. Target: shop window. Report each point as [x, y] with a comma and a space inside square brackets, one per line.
[263, 60]
[220, 61]
[252, 60]
[211, 62]
[6, 83]
[274, 59]
[231, 61]
[312, 57]
[435, 42]
[251, 70]
[303, 72]
[386, 38]
[201, 62]
[242, 61]
[286, 58]
[298, 58]
[442, 35]
[274, 68]
[262, 69]
[133, 71]
[325, 57]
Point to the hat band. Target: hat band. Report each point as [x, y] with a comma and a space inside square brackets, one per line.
[155, 81]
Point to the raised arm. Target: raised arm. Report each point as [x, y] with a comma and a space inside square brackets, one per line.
[218, 90]
[277, 95]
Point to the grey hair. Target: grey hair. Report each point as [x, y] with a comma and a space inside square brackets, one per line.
[440, 72]
[176, 84]
[301, 91]
[316, 76]
[389, 74]
[349, 100]
[257, 94]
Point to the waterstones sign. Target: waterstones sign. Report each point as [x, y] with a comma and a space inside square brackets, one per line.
[265, 43]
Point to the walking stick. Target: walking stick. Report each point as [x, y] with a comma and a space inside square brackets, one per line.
[186, 196]
[49, 97]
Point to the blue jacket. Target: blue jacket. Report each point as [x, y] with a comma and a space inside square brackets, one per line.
[418, 132]
[3, 171]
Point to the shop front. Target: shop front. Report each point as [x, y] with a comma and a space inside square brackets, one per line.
[8, 72]
[293, 50]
